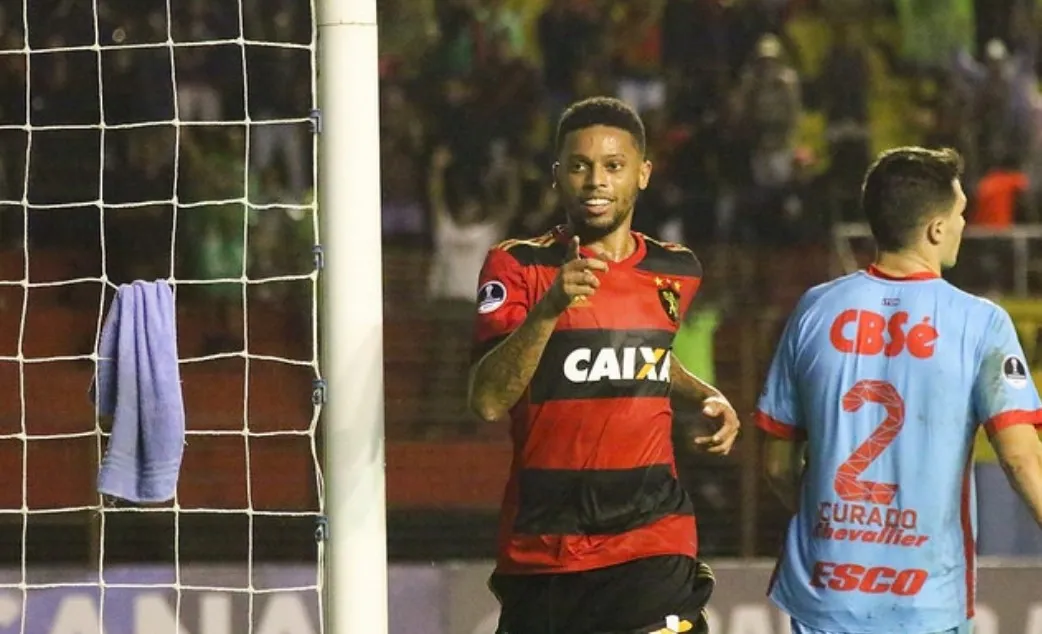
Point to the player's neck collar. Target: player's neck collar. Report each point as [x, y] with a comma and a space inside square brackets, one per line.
[911, 277]
[564, 234]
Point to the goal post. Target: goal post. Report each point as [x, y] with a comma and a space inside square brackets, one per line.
[352, 316]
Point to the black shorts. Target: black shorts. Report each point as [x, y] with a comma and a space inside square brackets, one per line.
[631, 598]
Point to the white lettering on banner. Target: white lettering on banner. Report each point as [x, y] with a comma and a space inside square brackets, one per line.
[215, 613]
[753, 618]
[77, 614]
[1034, 620]
[1011, 605]
[712, 620]
[284, 614]
[748, 618]
[985, 621]
[10, 610]
[488, 624]
[756, 619]
[153, 613]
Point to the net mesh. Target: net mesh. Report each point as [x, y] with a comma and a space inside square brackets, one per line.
[161, 140]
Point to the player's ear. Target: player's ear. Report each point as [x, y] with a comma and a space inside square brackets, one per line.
[645, 174]
[553, 173]
[935, 230]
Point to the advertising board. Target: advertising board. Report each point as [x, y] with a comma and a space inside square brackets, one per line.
[1010, 600]
[433, 599]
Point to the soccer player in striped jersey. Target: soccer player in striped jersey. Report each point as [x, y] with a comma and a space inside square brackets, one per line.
[871, 406]
[573, 341]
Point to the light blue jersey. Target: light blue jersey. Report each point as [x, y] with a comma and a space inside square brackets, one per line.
[888, 380]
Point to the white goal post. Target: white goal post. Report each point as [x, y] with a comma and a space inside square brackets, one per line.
[352, 316]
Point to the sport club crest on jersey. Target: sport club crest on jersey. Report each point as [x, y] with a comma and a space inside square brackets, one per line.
[669, 297]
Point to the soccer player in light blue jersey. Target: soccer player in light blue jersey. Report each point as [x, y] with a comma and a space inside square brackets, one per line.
[870, 408]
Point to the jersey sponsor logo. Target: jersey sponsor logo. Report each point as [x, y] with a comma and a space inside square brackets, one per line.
[868, 524]
[865, 332]
[644, 363]
[597, 363]
[491, 296]
[1015, 371]
[870, 580]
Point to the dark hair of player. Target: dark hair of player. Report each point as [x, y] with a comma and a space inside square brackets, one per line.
[606, 111]
[906, 187]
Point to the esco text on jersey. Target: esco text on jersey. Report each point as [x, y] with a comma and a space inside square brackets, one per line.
[585, 365]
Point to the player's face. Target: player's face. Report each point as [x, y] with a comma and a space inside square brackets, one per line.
[952, 227]
[599, 173]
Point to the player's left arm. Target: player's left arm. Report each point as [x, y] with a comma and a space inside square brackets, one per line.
[779, 414]
[783, 463]
[714, 404]
[686, 385]
[1004, 393]
[1006, 403]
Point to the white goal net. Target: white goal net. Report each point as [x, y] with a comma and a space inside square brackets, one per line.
[161, 140]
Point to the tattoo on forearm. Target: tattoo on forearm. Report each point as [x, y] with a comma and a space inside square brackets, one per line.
[506, 372]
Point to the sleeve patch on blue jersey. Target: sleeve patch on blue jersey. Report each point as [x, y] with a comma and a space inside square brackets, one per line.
[1014, 371]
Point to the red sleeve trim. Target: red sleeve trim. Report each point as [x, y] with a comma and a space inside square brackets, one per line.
[687, 298]
[777, 428]
[1013, 417]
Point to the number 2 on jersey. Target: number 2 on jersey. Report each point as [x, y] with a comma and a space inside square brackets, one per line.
[847, 483]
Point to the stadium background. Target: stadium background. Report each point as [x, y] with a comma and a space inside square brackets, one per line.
[761, 116]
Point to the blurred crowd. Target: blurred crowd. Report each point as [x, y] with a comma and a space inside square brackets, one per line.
[762, 114]
[141, 164]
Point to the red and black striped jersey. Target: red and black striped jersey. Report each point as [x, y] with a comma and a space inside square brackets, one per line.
[593, 481]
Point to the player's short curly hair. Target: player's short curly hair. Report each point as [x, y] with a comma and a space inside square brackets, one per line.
[904, 188]
[606, 111]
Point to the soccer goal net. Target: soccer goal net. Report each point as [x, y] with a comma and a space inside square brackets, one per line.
[161, 140]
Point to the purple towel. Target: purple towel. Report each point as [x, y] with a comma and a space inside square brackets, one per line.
[138, 383]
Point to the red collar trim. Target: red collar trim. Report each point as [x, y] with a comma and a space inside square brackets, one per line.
[912, 277]
[564, 235]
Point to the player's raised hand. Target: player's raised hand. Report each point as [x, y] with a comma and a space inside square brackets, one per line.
[575, 279]
[720, 442]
